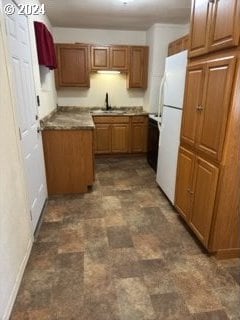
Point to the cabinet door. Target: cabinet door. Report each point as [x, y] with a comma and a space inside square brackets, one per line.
[100, 58]
[193, 99]
[214, 112]
[119, 58]
[102, 139]
[205, 187]
[120, 138]
[139, 137]
[73, 65]
[200, 22]
[138, 73]
[225, 25]
[184, 194]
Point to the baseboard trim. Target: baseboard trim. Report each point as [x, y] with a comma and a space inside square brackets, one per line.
[228, 254]
[13, 295]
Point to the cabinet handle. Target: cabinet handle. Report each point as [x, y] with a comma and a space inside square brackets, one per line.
[190, 192]
[199, 108]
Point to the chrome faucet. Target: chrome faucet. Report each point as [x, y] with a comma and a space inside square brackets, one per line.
[108, 107]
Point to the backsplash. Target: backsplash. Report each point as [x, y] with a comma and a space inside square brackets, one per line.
[115, 85]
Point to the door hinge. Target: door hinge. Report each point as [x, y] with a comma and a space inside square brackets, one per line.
[31, 214]
[38, 101]
[20, 134]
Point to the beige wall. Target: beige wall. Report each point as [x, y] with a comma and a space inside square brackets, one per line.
[15, 227]
[115, 85]
[158, 38]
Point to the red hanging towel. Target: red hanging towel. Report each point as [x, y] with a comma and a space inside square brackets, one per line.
[45, 46]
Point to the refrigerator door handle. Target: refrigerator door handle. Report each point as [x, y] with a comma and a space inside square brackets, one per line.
[161, 98]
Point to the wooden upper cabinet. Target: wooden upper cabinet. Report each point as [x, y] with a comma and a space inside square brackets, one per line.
[213, 114]
[193, 100]
[109, 58]
[100, 58]
[73, 65]
[225, 25]
[204, 193]
[184, 193]
[119, 58]
[200, 22]
[215, 24]
[178, 45]
[138, 69]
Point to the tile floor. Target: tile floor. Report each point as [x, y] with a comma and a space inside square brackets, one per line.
[121, 253]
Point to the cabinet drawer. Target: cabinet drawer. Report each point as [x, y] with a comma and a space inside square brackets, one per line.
[111, 119]
[139, 119]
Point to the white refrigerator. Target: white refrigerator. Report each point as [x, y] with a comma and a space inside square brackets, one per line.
[170, 106]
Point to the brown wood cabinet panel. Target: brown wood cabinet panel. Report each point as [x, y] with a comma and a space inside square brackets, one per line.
[178, 45]
[120, 138]
[139, 137]
[119, 58]
[100, 59]
[205, 187]
[117, 134]
[73, 65]
[225, 25]
[103, 139]
[184, 188]
[111, 119]
[193, 99]
[138, 67]
[215, 108]
[200, 23]
[69, 160]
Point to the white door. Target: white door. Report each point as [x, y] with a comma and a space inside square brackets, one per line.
[175, 72]
[168, 150]
[27, 110]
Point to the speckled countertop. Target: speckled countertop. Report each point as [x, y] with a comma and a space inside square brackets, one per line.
[75, 118]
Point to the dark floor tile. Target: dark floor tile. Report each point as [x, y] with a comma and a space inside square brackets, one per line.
[50, 232]
[70, 261]
[100, 307]
[235, 272]
[119, 237]
[152, 266]
[169, 306]
[214, 315]
[125, 263]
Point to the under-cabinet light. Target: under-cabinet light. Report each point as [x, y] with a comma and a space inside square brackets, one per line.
[108, 72]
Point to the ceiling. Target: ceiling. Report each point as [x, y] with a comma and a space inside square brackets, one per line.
[115, 14]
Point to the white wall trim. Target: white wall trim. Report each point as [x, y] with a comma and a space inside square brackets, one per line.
[18, 280]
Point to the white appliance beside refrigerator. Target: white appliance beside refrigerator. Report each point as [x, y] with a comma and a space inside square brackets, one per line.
[170, 106]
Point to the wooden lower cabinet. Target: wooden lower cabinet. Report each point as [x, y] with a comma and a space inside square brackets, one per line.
[204, 193]
[184, 193]
[139, 134]
[121, 134]
[120, 138]
[69, 160]
[196, 189]
[102, 138]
